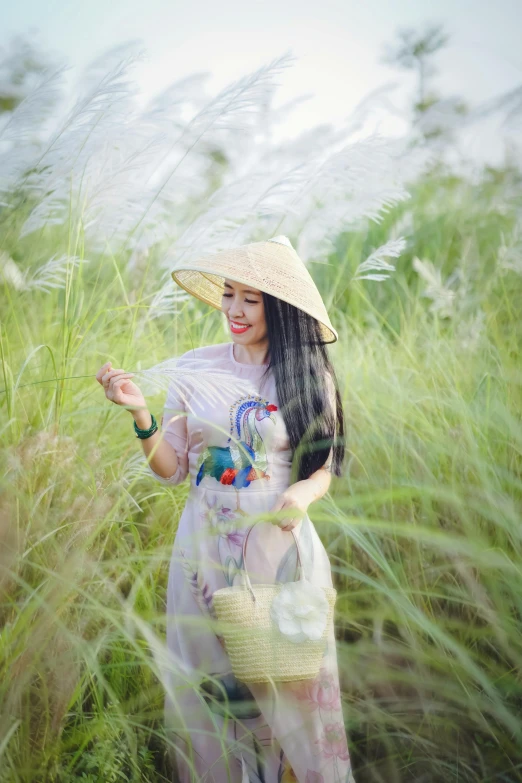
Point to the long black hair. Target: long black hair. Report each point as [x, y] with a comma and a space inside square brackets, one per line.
[306, 387]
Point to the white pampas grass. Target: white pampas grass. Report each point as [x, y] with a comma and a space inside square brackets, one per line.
[54, 273]
[470, 331]
[185, 375]
[22, 132]
[166, 301]
[11, 273]
[137, 176]
[375, 267]
[239, 101]
[439, 291]
[360, 181]
[121, 171]
[136, 179]
[509, 256]
[135, 467]
[95, 151]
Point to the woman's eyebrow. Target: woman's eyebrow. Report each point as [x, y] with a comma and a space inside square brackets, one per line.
[245, 290]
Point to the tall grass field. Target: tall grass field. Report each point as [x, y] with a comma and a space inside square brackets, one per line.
[421, 270]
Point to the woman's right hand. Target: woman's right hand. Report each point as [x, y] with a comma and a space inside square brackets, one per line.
[119, 388]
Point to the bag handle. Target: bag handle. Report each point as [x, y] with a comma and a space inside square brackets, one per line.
[247, 578]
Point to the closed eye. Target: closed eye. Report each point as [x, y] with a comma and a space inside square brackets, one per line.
[249, 301]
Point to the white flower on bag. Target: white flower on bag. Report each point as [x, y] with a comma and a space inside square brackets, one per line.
[300, 611]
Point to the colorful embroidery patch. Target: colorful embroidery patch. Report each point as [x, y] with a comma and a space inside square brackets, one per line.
[244, 458]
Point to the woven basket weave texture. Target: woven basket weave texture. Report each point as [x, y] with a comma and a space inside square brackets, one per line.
[258, 651]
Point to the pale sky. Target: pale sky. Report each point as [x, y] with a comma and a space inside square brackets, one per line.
[337, 44]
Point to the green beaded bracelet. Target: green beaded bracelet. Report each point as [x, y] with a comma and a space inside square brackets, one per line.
[143, 434]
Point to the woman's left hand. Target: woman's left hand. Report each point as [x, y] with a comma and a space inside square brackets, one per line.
[296, 499]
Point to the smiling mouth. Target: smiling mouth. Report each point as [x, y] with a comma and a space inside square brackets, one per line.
[238, 328]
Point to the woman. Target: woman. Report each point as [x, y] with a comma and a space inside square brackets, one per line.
[291, 429]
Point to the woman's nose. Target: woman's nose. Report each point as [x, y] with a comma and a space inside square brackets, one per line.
[236, 309]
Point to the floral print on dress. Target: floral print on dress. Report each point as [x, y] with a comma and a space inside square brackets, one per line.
[333, 742]
[199, 588]
[321, 693]
[223, 522]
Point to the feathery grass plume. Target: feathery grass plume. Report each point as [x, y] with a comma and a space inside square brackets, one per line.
[309, 197]
[134, 469]
[114, 148]
[211, 231]
[439, 292]
[11, 273]
[108, 150]
[166, 301]
[470, 331]
[22, 131]
[214, 385]
[403, 225]
[373, 101]
[235, 211]
[240, 100]
[24, 128]
[54, 273]
[360, 181]
[96, 150]
[509, 257]
[38, 106]
[165, 110]
[376, 263]
[306, 148]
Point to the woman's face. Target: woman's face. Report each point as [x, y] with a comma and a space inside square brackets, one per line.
[245, 312]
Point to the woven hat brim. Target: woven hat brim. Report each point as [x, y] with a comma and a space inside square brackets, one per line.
[202, 280]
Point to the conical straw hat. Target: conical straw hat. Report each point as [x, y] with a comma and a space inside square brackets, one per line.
[272, 266]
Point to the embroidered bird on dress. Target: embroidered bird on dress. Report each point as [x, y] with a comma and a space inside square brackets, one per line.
[241, 462]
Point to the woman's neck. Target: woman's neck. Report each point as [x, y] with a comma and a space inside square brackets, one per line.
[250, 354]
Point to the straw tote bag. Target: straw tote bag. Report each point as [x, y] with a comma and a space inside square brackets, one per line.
[275, 632]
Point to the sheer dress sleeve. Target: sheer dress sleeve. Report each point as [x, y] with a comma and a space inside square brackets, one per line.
[174, 428]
